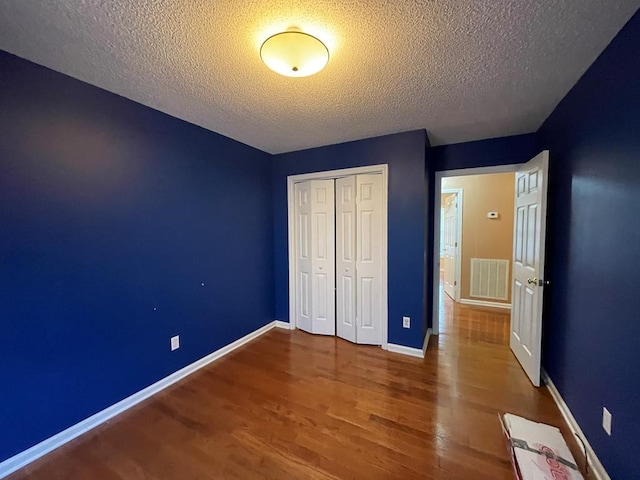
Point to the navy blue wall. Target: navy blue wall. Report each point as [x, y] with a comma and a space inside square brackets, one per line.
[405, 155]
[109, 209]
[592, 324]
[484, 153]
[429, 179]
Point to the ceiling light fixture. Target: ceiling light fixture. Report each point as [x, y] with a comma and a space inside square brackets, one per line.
[294, 53]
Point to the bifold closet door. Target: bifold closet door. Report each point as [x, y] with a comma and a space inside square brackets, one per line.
[315, 256]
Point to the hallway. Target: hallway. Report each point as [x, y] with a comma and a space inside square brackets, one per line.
[490, 325]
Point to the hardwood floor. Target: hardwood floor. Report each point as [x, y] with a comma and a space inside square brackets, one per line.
[291, 405]
[467, 322]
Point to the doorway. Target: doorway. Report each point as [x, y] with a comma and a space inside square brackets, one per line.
[488, 278]
[346, 314]
[481, 276]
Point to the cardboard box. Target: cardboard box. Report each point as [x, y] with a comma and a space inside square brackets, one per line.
[538, 451]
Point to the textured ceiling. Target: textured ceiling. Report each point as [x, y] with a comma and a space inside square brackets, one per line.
[462, 69]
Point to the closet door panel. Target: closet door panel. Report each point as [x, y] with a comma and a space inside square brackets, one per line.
[302, 192]
[369, 258]
[323, 257]
[346, 258]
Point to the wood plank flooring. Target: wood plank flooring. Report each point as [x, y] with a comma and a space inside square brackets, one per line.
[290, 405]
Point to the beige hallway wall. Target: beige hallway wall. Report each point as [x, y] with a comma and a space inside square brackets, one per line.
[483, 237]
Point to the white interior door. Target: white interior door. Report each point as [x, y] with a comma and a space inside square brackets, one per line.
[528, 264]
[369, 233]
[302, 193]
[323, 261]
[450, 245]
[346, 258]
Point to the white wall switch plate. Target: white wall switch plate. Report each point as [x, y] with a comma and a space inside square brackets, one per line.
[175, 343]
[406, 322]
[606, 420]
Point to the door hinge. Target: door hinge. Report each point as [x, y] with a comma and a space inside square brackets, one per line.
[456, 244]
[455, 283]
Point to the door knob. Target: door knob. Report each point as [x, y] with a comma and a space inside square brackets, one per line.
[532, 281]
[320, 267]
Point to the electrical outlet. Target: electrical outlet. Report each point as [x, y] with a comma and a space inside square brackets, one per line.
[175, 343]
[606, 420]
[406, 322]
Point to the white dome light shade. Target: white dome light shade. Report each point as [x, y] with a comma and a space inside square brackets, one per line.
[294, 54]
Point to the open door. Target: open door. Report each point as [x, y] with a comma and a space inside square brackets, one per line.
[451, 246]
[528, 264]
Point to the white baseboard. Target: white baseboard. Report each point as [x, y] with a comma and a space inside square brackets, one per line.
[413, 352]
[425, 344]
[594, 463]
[485, 303]
[281, 324]
[23, 458]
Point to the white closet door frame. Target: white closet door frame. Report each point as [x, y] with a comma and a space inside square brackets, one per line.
[328, 175]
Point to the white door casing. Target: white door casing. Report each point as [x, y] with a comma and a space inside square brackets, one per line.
[346, 258]
[451, 245]
[531, 183]
[368, 254]
[323, 320]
